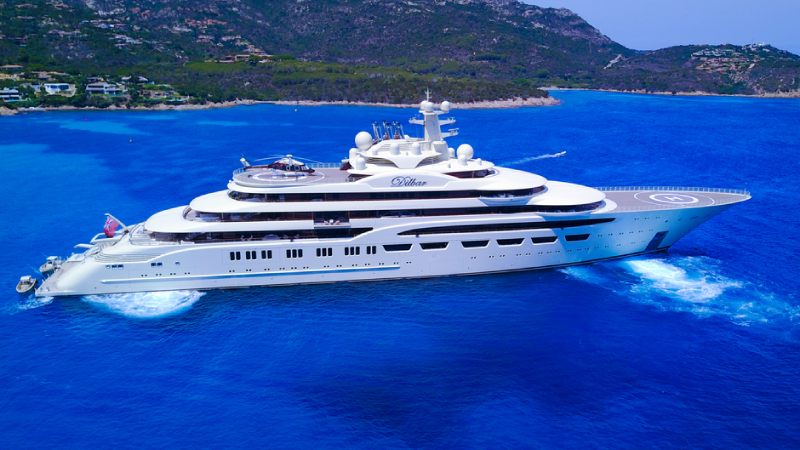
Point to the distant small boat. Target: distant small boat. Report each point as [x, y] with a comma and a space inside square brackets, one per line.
[26, 284]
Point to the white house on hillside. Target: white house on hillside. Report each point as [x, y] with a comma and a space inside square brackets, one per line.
[65, 89]
[104, 88]
[10, 95]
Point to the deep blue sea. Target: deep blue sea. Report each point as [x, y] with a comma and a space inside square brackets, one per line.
[697, 347]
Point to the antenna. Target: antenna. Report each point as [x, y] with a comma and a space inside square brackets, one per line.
[428, 94]
[375, 131]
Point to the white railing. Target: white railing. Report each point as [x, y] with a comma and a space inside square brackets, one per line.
[324, 165]
[673, 188]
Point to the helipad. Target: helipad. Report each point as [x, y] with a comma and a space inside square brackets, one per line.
[645, 198]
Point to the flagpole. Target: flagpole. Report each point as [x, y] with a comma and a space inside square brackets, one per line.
[124, 227]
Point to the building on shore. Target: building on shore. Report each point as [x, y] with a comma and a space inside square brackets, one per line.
[9, 95]
[63, 89]
[103, 88]
[260, 57]
[138, 79]
[11, 68]
[164, 93]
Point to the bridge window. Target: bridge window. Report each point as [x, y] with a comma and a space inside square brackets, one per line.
[360, 196]
[342, 217]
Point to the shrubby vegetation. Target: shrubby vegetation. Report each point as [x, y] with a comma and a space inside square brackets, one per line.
[361, 51]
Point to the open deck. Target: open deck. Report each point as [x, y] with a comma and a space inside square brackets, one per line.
[260, 177]
[638, 198]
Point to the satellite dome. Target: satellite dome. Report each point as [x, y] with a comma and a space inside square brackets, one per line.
[445, 106]
[363, 140]
[353, 153]
[465, 151]
[426, 106]
[416, 149]
[451, 152]
[394, 148]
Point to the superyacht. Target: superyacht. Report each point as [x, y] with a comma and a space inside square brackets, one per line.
[396, 207]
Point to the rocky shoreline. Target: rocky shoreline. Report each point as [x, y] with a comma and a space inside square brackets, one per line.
[791, 94]
[485, 104]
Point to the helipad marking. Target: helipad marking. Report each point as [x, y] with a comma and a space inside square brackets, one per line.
[674, 199]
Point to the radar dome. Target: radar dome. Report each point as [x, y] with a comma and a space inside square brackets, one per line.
[445, 106]
[363, 140]
[426, 106]
[465, 151]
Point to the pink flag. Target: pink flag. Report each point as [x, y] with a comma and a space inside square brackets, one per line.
[110, 227]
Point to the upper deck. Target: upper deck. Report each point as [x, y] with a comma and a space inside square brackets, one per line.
[261, 177]
[645, 198]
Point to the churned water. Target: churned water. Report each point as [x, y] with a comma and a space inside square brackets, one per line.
[698, 347]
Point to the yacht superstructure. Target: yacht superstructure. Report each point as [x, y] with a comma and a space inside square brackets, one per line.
[396, 207]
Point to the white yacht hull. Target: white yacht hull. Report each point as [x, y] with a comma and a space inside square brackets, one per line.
[125, 267]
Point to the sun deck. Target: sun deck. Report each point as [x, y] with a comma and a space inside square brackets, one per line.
[638, 198]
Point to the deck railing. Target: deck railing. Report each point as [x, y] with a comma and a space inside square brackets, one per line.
[324, 165]
[673, 188]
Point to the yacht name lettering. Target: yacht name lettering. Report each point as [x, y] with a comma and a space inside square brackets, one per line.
[407, 182]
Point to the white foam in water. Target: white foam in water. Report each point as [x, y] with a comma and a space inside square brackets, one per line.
[696, 287]
[534, 158]
[33, 302]
[146, 305]
[687, 284]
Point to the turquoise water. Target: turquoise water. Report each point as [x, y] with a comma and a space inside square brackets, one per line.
[696, 347]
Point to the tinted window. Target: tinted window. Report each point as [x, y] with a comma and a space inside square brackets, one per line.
[576, 237]
[510, 241]
[474, 244]
[397, 247]
[506, 226]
